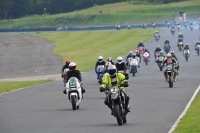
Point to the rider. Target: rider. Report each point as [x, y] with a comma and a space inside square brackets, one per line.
[110, 60]
[138, 55]
[180, 42]
[156, 34]
[198, 43]
[121, 66]
[160, 55]
[65, 66]
[115, 79]
[146, 50]
[135, 57]
[173, 28]
[128, 56]
[167, 42]
[186, 48]
[158, 49]
[99, 62]
[143, 24]
[169, 60]
[180, 36]
[174, 56]
[140, 44]
[74, 73]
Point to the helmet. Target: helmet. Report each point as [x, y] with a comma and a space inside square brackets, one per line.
[109, 59]
[72, 66]
[100, 58]
[112, 70]
[119, 60]
[146, 49]
[158, 46]
[157, 31]
[140, 41]
[161, 52]
[130, 53]
[67, 62]
[180, 33]
[136, 51]
[169, 55]
[134, 55]
[187, 44]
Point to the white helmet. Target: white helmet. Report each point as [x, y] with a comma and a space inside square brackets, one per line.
[157, 31]
[112, 70]
[119, 60]
[100, 58]
[169, 55]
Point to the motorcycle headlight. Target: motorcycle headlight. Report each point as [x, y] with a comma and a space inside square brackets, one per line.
[114, 90]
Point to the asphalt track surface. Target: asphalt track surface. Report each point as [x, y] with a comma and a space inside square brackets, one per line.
[154, 106]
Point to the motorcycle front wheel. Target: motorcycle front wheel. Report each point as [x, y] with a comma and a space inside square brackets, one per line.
[73, 99]
[118, 115]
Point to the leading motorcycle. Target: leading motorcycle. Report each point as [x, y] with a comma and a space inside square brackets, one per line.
[116, 102]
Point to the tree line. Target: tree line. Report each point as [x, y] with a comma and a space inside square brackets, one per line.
[10, 9]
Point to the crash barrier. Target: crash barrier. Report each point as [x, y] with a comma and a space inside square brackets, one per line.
[78, 28]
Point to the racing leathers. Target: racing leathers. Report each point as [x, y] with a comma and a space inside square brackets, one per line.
[122, 67]
[140, 45]
[170, 61]
[117, 80]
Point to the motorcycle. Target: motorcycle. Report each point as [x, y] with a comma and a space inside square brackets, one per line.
[159, 61]
[173, 32]
[133, 65]
[197, 49]
[146, 57]
[180, 46]
[191, 27]
[170, 74]
[186, 54]
[140, 49]
[100, 69]
[116, 102]
[74, 93]
[157, 38]
[167, 49]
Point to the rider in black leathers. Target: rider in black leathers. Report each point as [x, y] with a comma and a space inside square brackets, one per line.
[121, 66]
[140, 44]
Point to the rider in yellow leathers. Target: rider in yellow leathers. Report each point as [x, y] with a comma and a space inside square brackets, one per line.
[115, 79]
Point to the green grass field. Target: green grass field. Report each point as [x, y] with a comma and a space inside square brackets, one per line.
[112, 13]
[10, 86]
[190, 123]
[84, 47]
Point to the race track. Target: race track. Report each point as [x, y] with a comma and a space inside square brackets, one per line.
[154, 106]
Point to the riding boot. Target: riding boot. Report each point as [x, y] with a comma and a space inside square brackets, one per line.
[127, 107]
[165, 75]
[64, 91]
[175, 72]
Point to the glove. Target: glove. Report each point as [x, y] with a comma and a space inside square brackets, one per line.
[101, 89]
[126, 84]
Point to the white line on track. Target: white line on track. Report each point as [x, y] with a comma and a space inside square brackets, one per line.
[185, 110]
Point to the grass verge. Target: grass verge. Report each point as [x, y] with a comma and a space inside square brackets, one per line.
[84, 47]
[190, 123]
[10, 86]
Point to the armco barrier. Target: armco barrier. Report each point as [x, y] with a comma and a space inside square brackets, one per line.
[78, 28]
